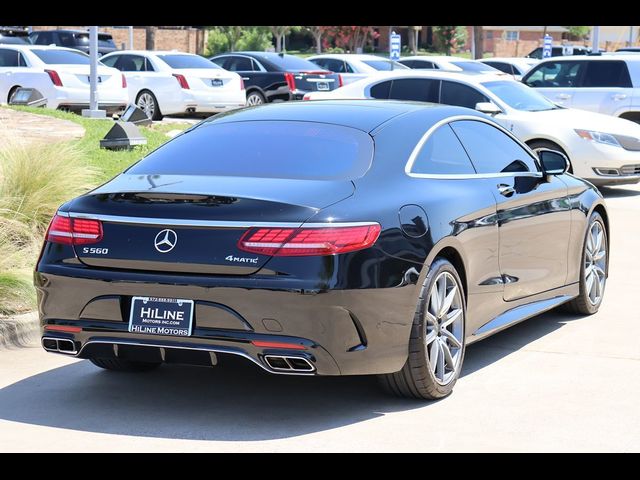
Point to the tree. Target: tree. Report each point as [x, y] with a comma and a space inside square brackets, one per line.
[352, 38]
[451, 38]
[478, 42]
[280, 33]
[414, 32]
[578, 33]
[150, 38]
[233, 34]
[318, 32]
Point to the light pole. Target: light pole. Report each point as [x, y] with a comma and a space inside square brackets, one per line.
[93, 111]
[595, 41]
[130, 38]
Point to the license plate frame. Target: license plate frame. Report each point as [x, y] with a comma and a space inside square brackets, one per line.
[158, 319]
[322, 86]
[216, 82]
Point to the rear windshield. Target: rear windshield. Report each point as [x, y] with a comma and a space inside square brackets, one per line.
[187, 61]
[62, 57]
[264, 149]
[289, 63]
[385, 65]
[474, 67]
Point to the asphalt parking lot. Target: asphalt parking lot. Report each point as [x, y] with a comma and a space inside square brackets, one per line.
[554, 383]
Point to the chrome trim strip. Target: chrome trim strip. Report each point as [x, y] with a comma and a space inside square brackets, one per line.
[416, 151]
[203, 348]
[208, 223]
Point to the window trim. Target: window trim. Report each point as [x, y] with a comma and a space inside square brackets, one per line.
[462, 176]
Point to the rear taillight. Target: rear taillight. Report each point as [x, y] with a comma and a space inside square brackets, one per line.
[340, 82]
[306, 97]
[289, 242]
[291, 82]
[124, 81]
[182, 81]
[55, 78]
[241, 84]
[74, 231]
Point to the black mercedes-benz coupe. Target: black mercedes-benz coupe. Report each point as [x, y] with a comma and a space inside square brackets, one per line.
[323, 238]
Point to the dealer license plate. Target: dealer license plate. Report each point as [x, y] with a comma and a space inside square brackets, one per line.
[161, 316]
[216, 82]
[322, 86]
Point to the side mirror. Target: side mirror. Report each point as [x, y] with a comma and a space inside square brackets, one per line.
[489, 108]
[553, 162]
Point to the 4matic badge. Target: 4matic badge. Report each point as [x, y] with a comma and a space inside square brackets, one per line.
[233, 258]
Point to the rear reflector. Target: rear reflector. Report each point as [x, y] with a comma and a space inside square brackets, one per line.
[340, 82]
[290, 242]
[182, 80]
[55, 78]
[124, 81]
[291, 82]
[266, 344]
[306, 97]
[62, 328]
[74, 231]
[241, 84]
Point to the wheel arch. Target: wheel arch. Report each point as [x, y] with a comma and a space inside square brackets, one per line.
[256, 88]
[11, 90]
[600, 208]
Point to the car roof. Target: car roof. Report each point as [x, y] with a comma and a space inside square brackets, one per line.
[30, 47]
[508, 59]
[445, 58]
[594, 58]
[472, 77]
[69, 30]
[348, 56]
[365, 115]
[150, 52]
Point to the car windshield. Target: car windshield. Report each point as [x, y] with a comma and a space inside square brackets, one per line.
[13, 40]
[519, 96]
[62, 57]
[474, 67]
[187, 61]
[385, 65]
[264, 149]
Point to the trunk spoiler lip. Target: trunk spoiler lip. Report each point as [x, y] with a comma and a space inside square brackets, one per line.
[178, 222]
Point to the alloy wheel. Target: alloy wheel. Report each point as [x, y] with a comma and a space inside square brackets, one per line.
[254, 99]
[444, 328]
[147, 104]
[595, 263]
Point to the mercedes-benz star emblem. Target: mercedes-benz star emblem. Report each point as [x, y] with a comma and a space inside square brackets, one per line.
[165, 240]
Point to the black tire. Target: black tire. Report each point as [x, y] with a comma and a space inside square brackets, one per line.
[257, 98]
[535, 144]
[121, 365]
[12, 92]
[416, 380]
[149, 96]
[582, 304]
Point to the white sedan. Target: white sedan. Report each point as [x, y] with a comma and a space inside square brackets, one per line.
[601, 149]
[353, 67]
[445, 62]
[170, 82]
[61, 75]
[516, 66]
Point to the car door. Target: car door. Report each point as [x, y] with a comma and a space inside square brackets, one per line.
[416, 89]
[605, 87]
[460, 95]
[13, 72]
[534, 218]
[556, 80]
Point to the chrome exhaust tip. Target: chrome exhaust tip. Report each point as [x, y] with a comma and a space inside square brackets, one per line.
[283, 363]
[59, 345]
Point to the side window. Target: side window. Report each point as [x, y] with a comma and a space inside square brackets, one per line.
[222, 62]
[409, 63]
[606, 73]
[66, 39]
[21, 61]
[348, 68]
[130, 63]
[111, 61]
[381, 90]
[322, 62]
[334, 65]
[418, 89]
[9, 58]
[454, 93]
[503, 67]
[491, 150]
[256, 66]
[240, 64]
[44, 38]
[555, 74]
[442, 153]
[148, 67]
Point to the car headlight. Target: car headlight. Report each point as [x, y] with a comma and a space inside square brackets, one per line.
[599, 137]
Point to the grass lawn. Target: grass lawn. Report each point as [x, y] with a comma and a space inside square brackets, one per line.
[109, 162]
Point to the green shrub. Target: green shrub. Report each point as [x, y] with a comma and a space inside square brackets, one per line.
[217, 42]
[255, 38]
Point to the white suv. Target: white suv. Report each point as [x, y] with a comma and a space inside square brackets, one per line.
[605, 84]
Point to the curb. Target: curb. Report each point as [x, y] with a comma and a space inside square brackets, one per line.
[19, 331]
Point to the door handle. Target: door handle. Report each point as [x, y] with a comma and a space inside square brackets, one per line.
[563, 96]
[506, 190]
[245, 78]
[619, 96]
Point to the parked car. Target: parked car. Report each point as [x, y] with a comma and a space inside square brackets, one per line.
[14, 36]
[560, 51]
[444, 62]
[629, 50]
[275, 77]
[354, 67]
[170, 82]
[514, 66]
[601, 149]
[12, 40]
[264, 235]
[78, 39]
[61, 75]
[608, 84]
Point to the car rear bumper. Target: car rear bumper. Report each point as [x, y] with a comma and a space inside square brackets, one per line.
[207, 102]
[355, 331]
[110, 108]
